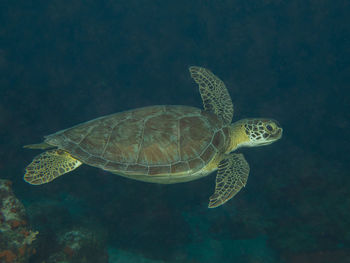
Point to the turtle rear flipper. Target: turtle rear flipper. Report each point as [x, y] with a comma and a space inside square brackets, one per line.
[49, 165]
[232, 176]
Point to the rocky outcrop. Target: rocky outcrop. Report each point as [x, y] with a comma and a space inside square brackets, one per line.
[16, 236]
[78, 245]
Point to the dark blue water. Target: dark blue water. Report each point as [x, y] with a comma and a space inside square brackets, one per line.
[65, 62]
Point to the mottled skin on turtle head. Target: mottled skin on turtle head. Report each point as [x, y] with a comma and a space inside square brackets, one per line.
[254, 132]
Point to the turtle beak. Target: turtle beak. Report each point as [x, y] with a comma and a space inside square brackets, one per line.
[278, 134]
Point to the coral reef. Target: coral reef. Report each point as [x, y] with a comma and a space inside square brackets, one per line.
[67, 233]
[78, 246]
[16, 237]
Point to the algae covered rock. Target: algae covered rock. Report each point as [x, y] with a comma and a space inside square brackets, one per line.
[16, 236]
[79, 245]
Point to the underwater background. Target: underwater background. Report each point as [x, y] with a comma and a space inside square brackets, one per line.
[66, 62]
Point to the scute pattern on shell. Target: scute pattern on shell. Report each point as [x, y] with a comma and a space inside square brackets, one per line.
[152, 140]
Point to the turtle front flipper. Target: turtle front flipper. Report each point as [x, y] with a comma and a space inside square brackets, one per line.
[231, 177]
[49, 165]
[214, 94]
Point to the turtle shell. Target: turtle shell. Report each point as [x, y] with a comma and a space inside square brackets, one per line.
[149, 141]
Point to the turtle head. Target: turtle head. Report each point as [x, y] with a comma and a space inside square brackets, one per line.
[254, 132]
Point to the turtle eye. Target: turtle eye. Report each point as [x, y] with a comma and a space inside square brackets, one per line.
[269, 127]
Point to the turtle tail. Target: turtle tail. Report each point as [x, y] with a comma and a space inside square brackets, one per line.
[40, 146]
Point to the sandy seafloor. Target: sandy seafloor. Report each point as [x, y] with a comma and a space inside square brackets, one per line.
[66, 62]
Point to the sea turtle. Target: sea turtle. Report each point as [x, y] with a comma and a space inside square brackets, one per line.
[161, 144]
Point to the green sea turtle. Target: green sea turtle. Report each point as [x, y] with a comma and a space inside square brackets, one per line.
[161, 144]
